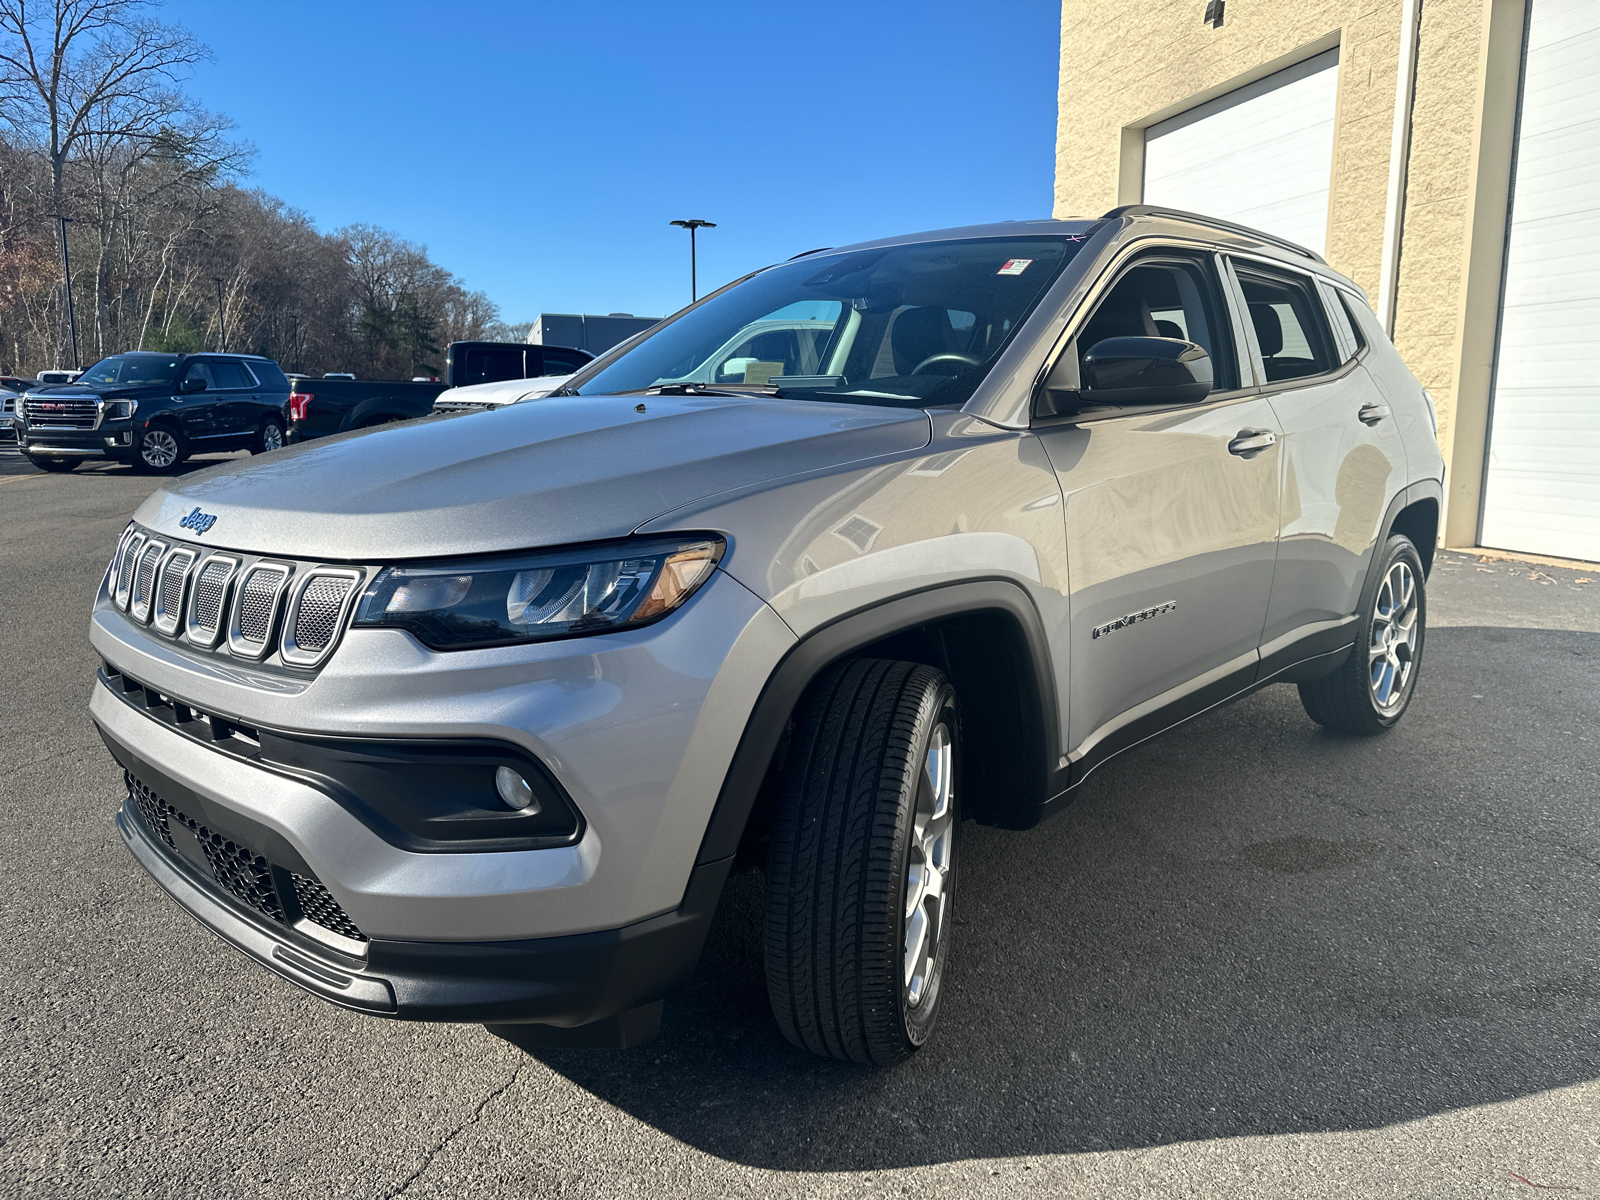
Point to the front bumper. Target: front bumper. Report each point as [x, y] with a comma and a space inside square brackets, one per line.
[562, 981]
[111, 440]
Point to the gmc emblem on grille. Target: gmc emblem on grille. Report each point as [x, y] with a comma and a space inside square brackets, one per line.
[198, 521]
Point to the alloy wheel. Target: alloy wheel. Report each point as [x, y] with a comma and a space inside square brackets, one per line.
[271, 437]
[1392, 650]
[159, 449]
[928, 871]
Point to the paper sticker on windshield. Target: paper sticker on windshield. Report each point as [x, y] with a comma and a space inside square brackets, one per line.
[1015, 266]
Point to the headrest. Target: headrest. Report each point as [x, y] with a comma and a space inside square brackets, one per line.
[919, 333]
[1269, 330]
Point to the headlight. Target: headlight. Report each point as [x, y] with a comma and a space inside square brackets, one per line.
[538, 596]
[121, 410]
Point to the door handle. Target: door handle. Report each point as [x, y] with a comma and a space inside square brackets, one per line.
[1251, 440]
[1371, 414]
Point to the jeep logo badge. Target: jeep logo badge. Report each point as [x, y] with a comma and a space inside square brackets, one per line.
[198, 521]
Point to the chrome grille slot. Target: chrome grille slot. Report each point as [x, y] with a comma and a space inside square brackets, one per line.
[255, 609]
[130, 557]
[317, 612]
[169, 591]
[208, 599]
[144, 580]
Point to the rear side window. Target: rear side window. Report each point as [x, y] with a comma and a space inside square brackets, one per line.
[563, 362]
[272, 379]
[1290, 325]
[1351, 307]
[491, 364]
[231, 375]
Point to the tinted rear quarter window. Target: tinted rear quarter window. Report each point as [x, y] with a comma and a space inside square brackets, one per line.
[272, 379]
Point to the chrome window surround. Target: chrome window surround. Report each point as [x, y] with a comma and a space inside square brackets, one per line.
[238, 644]
[161, 618]
[146, 573]
[130, 556]
[290, 648]
[203, 635]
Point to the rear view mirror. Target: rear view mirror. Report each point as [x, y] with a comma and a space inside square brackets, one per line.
[1145, 370]
[189, 386]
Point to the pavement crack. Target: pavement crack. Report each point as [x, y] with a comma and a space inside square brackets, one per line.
[477, 1115]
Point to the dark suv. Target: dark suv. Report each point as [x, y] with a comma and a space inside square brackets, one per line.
[154, 410]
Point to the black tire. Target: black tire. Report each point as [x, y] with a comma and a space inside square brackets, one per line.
[1367, 695]
[151, 452]
[844, 842]
[58, 465]
[269, 437]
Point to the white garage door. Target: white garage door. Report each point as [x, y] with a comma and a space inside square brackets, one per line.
[1261, 156]
[1542, 488]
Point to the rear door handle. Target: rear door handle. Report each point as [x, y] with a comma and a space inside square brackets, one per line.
[1251, 440]
[1371, 414]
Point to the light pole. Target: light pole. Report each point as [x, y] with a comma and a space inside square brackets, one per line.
[66, 270]
[222, 316]
[691, 226]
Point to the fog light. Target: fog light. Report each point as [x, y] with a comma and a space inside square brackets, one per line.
[514, 790]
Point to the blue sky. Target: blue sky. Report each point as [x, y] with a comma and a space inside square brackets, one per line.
[540, 149]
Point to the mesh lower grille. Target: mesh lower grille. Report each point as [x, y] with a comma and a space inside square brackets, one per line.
[209, 591]
[257, 600]
[317, 618]
[245, 875]
[320, 908]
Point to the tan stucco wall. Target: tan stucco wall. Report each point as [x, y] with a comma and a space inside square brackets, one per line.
[1127, 66]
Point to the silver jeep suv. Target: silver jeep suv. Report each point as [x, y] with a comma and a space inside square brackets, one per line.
[469, 719]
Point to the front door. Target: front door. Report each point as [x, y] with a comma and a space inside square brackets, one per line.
[1171, 518]
[238, 400]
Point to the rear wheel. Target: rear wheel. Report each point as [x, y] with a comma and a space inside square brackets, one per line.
[159, 449]
[862, 866]
[269, 438]
[1372, 690]
[55, 464]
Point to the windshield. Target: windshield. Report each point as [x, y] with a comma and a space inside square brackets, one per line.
[908, 326]
[133, 368]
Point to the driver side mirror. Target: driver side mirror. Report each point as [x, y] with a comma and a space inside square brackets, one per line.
[1129, 371]
[190, 386]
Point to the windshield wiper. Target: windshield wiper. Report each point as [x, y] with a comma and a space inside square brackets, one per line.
[705, 389]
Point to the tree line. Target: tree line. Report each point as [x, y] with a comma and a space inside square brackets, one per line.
[169, 249]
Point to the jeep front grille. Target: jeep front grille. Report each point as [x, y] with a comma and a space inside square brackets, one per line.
[283, 896]
[236, 604]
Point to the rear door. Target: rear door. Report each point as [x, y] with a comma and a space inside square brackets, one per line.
[1342, 456]
[198, 410]
[1171, 516]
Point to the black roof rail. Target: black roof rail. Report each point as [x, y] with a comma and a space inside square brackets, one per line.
[807, 253]
[1156, 210]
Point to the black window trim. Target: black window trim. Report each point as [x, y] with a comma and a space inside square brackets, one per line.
[1131, 255]
[1272, 265]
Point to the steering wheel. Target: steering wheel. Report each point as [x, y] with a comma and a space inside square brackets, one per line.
[948, 356]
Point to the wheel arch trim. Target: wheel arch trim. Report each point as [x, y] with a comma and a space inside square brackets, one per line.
[819, 649]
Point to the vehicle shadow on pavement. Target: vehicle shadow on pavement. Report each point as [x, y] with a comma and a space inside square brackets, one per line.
[1250, 926]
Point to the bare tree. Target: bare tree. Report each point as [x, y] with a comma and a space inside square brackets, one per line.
[90, 69]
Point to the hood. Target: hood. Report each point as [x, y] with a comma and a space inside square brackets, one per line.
[568, 469]
[503, 391]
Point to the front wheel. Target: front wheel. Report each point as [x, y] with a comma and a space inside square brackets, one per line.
[1372, 690]
[159, 450]
[861, 871]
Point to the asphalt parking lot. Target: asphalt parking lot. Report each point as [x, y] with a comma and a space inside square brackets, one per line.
[1255, 958]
